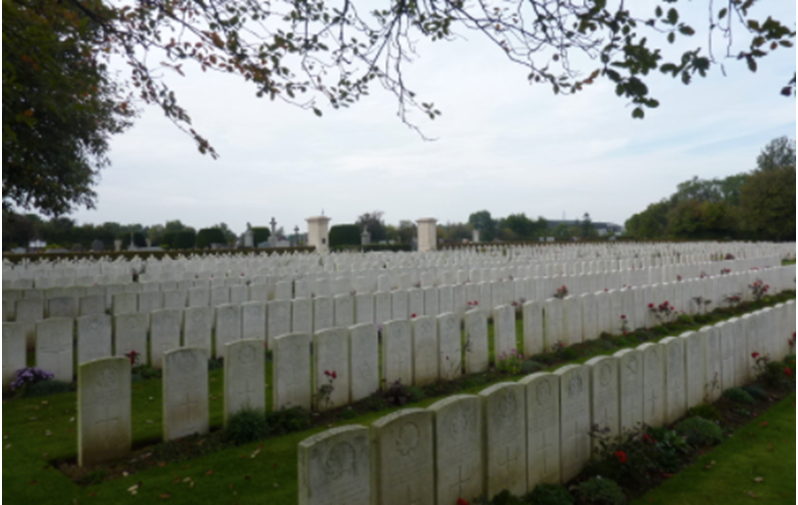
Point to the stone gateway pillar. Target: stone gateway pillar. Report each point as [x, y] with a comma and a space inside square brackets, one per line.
[318, 233]
[427, 234]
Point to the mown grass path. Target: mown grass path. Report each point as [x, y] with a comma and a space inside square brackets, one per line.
[755, 466]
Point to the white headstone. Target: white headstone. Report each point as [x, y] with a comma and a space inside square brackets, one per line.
[279, 319]
[54, 347]
[364, 371]
[323, 313]
[291, 371]
[94, 338]
[450, 353]
[543, 428]
[197, 326]
[92, 305]
[533, 327]
[244, 376]
[425, 350]
[402, 458]
[604, 395]
[13, 351]
[130, 334]
[459, 470]
[653, 383]
[344, 310]
[331, 368]
[364, 308]
[185, 392]
[253, 320]
[104, 405]
[476, 341]
[334, 467]
[504, 415]
[575, 421]
[164, 334]
[124, 303]
[397, 353]
[504, 341]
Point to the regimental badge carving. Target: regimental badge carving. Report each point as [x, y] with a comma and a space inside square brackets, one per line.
[605, 374]
[507, 404]
[575, 385]
[340, 460]
[186, 362]
[246, 355]
[631, 366]
[544, 393]
[408, 438]
[458, 424]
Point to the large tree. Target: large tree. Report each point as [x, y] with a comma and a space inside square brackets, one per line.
[59, 106]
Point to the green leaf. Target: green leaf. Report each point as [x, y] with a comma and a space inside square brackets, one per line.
[722, 13]
[316, 111]
[658, 11]
[638, 113]
[673, 16]
[751, 63]
[671, 37]
[686, 30]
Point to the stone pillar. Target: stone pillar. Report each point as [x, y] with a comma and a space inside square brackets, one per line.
[475, 236]
[318, 233]
[427, 234]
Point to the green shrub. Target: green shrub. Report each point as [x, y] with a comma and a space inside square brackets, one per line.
[207, 236]
[344, 234]
[550, 494]
[144, 372]
[757, 392]
[287, 421]
[706, 411]
[699, 431]
[531, 366]
[46, 388]
[739, 395]
[185, 239]
[246, 426]
[668, 448]
[598, 491]
[215, 364]
[260, 234]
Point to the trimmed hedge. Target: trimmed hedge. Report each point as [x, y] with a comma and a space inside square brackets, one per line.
[344, 234]
[260, 234]
[208, 236]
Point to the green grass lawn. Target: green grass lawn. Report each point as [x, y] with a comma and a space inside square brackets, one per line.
[731, 472]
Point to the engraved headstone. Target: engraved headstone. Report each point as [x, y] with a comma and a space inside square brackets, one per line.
[197, 326]
[94, 337]
[62, 306]
[450, 352]
[253, 320]
[228, 326]
[13, 351]
[459, 471]
[54, 347]
[710, 337]
[92, 305]
[399, 304]
[425, 350]
[104, 405]
[553, 323]
[604, 395]
[130, 334]
[504, 331]
[291, 371]
[543, 428]
[344, 310]
[279, 319]
[364, 308]
[124, 303]
[533, 327]
[364, 371]
[323, 313]
[575, 421]
[397, 353]
[185, 392]
[476, 341]
[331, 368]
[402, 458]
[150, 301]
[244, 376]
[302, 315]
[504, 415]
[334, 467]
[382, 307]
[653, 383]
[630, 387]
[164, 334]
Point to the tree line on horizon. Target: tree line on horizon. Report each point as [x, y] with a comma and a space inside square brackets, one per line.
[756, 205]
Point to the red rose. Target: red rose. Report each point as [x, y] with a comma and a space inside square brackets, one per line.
[334, 375]
[412, 316]
[461, 501]
[476, 302]
[621, 456]
[754, 355]
[788, 371]
[623, 316]
[650, 305]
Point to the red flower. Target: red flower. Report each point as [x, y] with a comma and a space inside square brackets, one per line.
[623, 316]
[132, 355]
[476, 302]
[461, 501]
[650, 305]
[621, 456]
[334, 375]
[788, 371]
[755, 355]
[326, 372]
[413, 315]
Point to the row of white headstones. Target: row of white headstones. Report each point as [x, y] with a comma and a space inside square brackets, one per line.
[103, 270]
[516, 435]
[570, 320]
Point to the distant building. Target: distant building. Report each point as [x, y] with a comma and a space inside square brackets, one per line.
[602, 228]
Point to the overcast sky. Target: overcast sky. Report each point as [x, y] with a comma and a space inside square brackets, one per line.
[502, 145]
